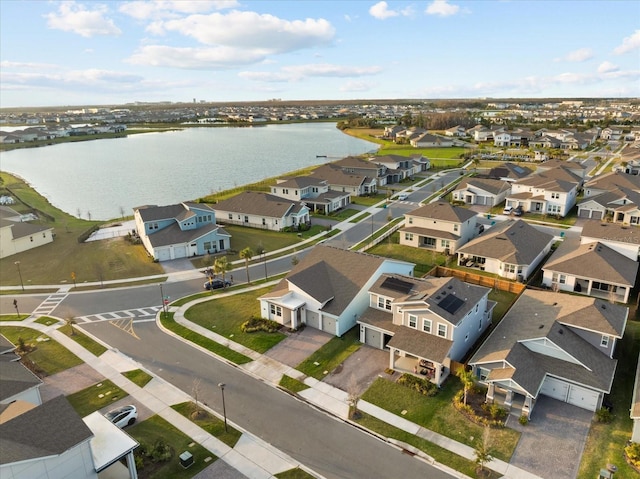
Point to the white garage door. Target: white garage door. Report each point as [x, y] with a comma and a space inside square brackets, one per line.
[180, 252]
[373, 338]
[582, 397]
[555, 388]
[163, 254]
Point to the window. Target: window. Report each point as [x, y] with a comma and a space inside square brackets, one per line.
[413, 321]
[555, 196]
[559, 278]
[429, 242]
[408, 236]
[426, 325]
[206, 245]
[410, 220]
[264, 222]
[466, 337]
[444, 243]
[442, 330]
[510, 268]
[604, 341]
[384, 303]
[480, 324]
[230, 216]
[456, 227]
[276, 310]
[44, 235]
[246, 219]
[483, 374]
[31, 238]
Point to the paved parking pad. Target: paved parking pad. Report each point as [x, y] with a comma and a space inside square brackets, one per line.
[551, 445]
[359, 370]
[298, 346]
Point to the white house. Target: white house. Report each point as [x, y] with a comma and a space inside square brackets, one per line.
[17, 235]
[621, 238]
[481, 191]
[314, 192]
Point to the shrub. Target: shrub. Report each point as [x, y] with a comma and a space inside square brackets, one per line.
[161, 452]
[422, 386]
[524, 420]
[495, 411]
[604, 415]
[259, 324]
[632, 452]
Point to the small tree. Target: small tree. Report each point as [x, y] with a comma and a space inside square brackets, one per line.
[466, 376]
[482, 452]
[70, 322]
[221, 266]
[353, 397]
[246, 254]
[195, 391]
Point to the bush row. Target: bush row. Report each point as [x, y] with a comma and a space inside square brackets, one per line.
[259, 324]
[424, 387]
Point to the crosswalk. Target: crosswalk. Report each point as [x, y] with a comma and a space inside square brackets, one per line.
[138, 315]
[48, 305]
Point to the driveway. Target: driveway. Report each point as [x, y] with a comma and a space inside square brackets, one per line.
[551, 444]
[359, 370]
[298, 346]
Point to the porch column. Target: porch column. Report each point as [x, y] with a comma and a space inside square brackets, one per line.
[491, 390]
[392, 358]
[131, 465]
[526, 407]
[589, 287]
[509, 399]
[294, 319]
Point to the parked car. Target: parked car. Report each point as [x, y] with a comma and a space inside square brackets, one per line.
[216, 284]
[403, 196]
[123, 416]
[507, 210]
[518, 211]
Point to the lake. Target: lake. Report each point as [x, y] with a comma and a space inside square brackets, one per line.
[102, 177]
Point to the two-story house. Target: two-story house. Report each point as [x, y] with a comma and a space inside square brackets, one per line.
[314, 192]
[359, 166]
[438, 226]
[511, 249]
[614, 196]
[552, 344]
[328, 289]
[180, 231]
[398, 167]
[343, 182]
[425, 323]
[621, 238]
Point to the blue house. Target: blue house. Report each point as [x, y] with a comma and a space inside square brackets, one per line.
[180, 231]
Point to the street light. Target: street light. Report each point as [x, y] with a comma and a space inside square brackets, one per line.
[164, 304]
[264, 260]
[224, 409]
[17, 263]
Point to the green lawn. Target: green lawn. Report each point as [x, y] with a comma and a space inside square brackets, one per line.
[48, 356]
[296, 473]
[504, 299]
[291, 384]
[46, 320]
[95, 397]
[424, 259]
[83, 340]
[438, 414]
[138, 376]
[339, 215]
[155, 429]
[13, 317]
[224, 316]
[208, 344]
[209, 423]
[329, 356]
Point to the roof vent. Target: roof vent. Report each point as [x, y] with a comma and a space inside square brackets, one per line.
[604, 306]
[560, 331]
[555, 304]
[541, 326]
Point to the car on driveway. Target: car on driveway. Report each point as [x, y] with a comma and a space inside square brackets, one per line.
[518, 211]
[123, 416]
[507, 210]
[216, 284]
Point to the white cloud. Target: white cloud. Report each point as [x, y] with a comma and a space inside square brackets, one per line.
[73, 79]
[143, 10]
[195, 58]
[607, 67]
[356, 86]
[381, 11]
[300, 72]
[580, 55]
[74, 17]
[5, 64]
[630, 43]
[442, 8]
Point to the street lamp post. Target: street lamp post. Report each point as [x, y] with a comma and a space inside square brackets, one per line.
[224, 409]
[15, 305]
[164, 305]
[264, 260]
[17, 263]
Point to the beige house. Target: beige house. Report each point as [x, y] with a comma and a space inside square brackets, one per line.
[18, 235]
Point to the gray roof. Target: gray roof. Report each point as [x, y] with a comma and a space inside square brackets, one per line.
[611, 232]
[612, 180]
[259, 204]
[557, 179]
[334, 175]
[299, 182]
[177, 211]
[441, 210]
[594, 261]
[510, 170]
[431, 233]
[556, 317]
[15, 377]
[355, 162]
[512, 242]
[421, 344]
[22, 229]
[489, 185]
[172, 234]
[46, 430]
[6, 346]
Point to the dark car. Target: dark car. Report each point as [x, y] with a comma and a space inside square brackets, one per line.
[518, 211]
[216, 284]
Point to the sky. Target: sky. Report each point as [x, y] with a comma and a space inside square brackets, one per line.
[55, 53]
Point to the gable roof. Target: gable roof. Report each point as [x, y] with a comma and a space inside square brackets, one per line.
[441, 210]
[612, 180]
[178, 211]
[611, 232]
[299, 182]
[513, 242]
[593, 260]
[334, 175]
[15, 377]
[510, 170]
[59, 428]
[489, 185]
[356, 162]
[260, 204]
[172, 234]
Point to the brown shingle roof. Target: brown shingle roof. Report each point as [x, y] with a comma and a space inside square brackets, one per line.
[444, 211]
[258, 203]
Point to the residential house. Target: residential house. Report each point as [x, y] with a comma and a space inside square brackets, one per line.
[352, 183]
[427, 140]
[634, 413]
[621, 238]
[397, 167]
[509, 172]
[262, 210]
[631, 167]
[552, 344]
[328, 290]
[575, 167]
[481, 191]
[512, 249]
[359, 166]
[438, 226]
[611, 133]
[314, 192]
[614, 196]
[545, 141]
[480, 133]
[425, 323]
[390, 132]
[18, 235]
[180, 231]
[548, 191]
[593, 269]
[457, 130]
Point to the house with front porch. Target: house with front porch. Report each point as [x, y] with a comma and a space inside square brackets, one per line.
[621, 238]
[481, 191]
[614, 196]
[398, 167]
[593, 269]
[180, 231]
[361, 167]
[425, 323]
[438, 226]
[352, 183]
[512, 249]
[314, 192]
[256, 209]
[551, 344]
[328, 290]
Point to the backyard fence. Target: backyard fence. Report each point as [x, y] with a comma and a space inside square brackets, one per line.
[479, 279]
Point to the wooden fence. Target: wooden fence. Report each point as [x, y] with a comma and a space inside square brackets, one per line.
[474, 278]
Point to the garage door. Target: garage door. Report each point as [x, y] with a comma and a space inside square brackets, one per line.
[555, 388]
[163, 254]
[481, 200]
[583, 397]
[180, 252]
[584, 213]
[329, 325]
[596, 215]
[313, 319]
[373, 338]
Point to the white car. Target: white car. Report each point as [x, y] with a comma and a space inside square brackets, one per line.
[123, 416]
[507, 210]
[403, 196]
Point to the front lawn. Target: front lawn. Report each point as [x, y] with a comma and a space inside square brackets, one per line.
[332, 354]
[438, 414]
[83, 340]
[95, 397]
[424, 259]
[44, 355]
[138, 377]
[209, 423]
[224, 316]
[291, 384]
[156, 434]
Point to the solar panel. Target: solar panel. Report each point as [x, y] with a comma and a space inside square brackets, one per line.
[518, 169]
[398, 285]
[451, 303]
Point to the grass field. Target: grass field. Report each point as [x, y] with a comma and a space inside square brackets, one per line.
[95, 397]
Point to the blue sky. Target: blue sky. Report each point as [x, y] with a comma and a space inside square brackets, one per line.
[110, 52]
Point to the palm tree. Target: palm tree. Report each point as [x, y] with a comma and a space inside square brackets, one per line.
[221, 266]
[246, 254]
[466, 376]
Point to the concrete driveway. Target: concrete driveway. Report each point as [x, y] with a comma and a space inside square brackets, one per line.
[298, 346]
[551, 444]
[359, 370]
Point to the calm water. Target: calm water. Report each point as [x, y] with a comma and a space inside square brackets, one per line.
[102, 176]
